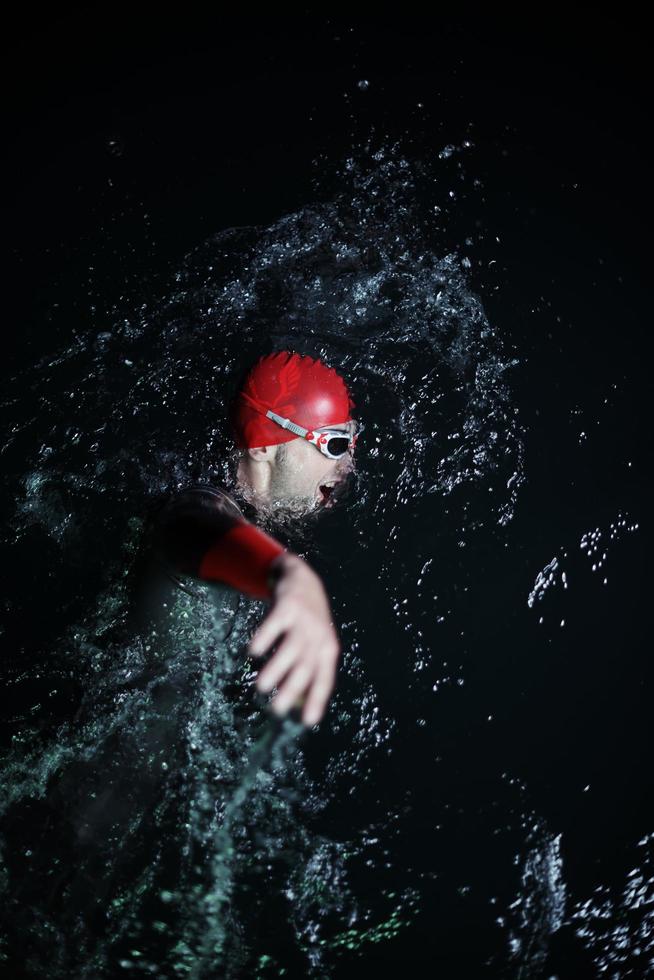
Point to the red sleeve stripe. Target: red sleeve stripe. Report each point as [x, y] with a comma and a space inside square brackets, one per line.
[241, 558]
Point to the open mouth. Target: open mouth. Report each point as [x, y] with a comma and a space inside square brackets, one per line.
[326, 494]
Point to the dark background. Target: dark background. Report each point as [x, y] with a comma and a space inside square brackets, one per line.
[202, 122]
[128, 142]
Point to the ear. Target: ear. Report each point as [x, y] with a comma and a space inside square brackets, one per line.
[262, 454]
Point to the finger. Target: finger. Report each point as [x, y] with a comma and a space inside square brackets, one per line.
[293, 687]
[278, 665]
[268, 632]
[317, 698]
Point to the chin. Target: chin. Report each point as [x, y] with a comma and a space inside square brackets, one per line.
[291, 508]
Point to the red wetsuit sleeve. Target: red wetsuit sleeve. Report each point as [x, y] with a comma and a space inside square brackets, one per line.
[242, 558]
[202, 532]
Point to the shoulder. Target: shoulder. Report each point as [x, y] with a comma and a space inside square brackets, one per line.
[206, 495]
[196, 501]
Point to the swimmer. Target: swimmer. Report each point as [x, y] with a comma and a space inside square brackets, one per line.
[292, 424]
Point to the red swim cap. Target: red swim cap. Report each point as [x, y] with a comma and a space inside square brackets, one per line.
[294, 386]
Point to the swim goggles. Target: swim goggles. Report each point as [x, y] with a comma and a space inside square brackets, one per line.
[332, 443]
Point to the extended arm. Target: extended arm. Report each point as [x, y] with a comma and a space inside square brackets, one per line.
[202, 533]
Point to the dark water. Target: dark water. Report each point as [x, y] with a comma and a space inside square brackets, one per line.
[450, 216]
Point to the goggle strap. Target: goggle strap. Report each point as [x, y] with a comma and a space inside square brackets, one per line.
[264, 410]
[287, 424]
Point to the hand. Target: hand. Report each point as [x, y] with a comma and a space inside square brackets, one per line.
[308, 653]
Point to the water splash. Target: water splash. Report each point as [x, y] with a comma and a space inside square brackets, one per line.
[539, 908]
[594, 546]
[136, 772]
[616, 925]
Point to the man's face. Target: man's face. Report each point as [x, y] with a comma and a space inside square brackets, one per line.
[303, 477]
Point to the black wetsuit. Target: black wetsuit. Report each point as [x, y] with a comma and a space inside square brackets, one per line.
[179, 531]
[155, 816]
